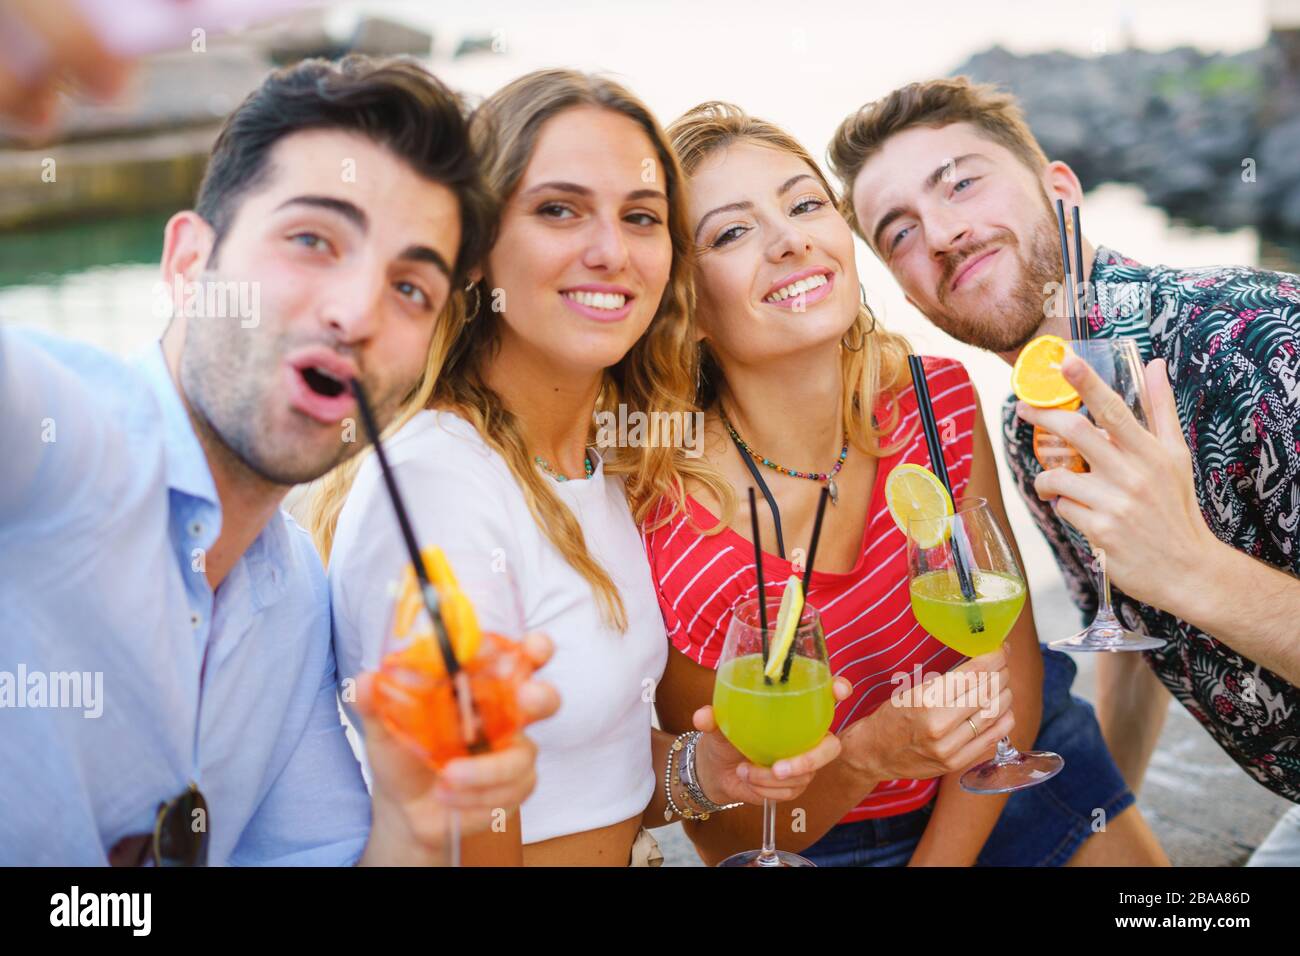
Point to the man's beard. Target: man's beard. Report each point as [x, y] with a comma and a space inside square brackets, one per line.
[1007, 323]
[231, 377]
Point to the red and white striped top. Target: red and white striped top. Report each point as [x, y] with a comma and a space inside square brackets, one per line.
[867, 613]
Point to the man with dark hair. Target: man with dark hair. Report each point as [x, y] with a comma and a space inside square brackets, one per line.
[146, 561]
[1199, 519]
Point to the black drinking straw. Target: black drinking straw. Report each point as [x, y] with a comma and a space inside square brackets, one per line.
[427, 591]
[807, 571]
[758, 571]
[935, 445]
[929, 427]
[1082, 283]
[1071, 299]
[816, 534]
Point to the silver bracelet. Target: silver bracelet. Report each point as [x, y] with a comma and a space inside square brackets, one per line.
[691, 782]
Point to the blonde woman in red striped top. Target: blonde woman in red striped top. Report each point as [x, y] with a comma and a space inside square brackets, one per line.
[801, 390]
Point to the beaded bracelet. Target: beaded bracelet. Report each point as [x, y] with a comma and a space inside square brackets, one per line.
[694, 792]
[668, 788]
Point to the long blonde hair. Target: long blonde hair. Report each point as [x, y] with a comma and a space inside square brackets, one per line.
[876, 366]
[657, 374]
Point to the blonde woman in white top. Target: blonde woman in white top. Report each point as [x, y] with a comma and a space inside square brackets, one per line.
[582, 305]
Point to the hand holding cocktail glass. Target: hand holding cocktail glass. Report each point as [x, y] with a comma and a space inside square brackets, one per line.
[726, 771]
[1038, 379]
[774, 695]
[414, 801]
[966, 586]
[1136, 504]
[970, 544]
[447, 689]
[907, 738]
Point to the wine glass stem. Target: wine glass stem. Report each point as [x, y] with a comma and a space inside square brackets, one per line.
[1007, 753]
[1103, 589]
[453, 838]
[767, 856]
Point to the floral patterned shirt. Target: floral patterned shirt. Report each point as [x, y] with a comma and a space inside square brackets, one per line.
[1231, 336]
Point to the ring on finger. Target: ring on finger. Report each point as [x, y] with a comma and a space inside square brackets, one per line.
[973, 729]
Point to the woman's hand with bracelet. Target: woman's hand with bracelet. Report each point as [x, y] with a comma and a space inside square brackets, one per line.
[919, 733]
[727, 777]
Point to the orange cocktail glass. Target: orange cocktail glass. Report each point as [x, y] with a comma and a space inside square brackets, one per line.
[417, 702]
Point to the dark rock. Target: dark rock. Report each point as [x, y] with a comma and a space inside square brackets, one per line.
[1278, 153]
[1236, 203]
[1184, 182]
[1287, 212]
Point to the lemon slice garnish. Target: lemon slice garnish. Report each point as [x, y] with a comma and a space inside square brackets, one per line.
[787, 622]
[915, 492]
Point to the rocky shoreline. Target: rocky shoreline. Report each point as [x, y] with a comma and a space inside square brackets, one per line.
[1212, 138]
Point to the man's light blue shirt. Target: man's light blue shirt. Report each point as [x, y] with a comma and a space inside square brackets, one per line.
[123, 677]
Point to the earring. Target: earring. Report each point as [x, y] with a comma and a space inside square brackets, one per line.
[862, 296]
[478, 300]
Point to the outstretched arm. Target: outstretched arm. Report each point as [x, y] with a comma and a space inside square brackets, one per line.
[60, 443]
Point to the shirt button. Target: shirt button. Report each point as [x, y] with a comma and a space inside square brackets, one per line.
[196, 529]
[195, 619]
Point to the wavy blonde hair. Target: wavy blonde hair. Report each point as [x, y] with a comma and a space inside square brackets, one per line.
[656, 375]
[878, 365]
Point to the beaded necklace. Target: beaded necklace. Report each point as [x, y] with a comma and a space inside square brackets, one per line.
[826, 476]
[546, 467]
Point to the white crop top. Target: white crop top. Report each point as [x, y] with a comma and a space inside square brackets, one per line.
[594, 761]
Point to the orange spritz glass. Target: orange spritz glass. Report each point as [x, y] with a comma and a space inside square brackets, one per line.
[438, 717]
[417, 701]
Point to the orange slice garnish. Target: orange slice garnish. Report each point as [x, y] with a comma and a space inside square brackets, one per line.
[1036, 378]
[457, 612]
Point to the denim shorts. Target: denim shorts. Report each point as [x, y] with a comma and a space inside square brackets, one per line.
[1041, 826]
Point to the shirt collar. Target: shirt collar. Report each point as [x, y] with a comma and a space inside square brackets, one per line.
[187, 464]
[1107, 263]
[268, 562]
[1122, 299]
